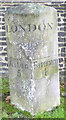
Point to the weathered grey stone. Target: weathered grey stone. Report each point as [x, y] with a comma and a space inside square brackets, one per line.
[26, 1]
[33, 57]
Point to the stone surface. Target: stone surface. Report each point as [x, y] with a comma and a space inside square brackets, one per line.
[32, 1]
[33, 57]
[26, 0]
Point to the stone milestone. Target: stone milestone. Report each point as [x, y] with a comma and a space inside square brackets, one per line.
[32, 43]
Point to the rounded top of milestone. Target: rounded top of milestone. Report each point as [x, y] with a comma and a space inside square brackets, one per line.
[28, 8]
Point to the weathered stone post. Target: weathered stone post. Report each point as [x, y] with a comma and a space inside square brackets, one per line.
[33, 57]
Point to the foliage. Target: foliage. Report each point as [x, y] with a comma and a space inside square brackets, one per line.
[5, 86]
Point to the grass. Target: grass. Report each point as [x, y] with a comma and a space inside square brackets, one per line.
[12, 112]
